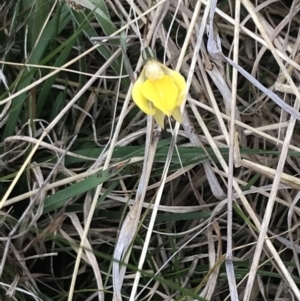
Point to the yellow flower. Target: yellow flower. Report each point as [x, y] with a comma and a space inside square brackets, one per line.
[159, 91]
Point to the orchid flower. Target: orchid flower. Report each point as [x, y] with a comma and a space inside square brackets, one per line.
[159, 90]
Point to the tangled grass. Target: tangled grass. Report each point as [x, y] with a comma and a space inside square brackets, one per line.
[97, 202]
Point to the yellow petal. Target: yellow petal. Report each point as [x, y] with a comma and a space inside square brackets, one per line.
[176, 76]
[179, 81]
[163, 93]
[140, 100]
[176, 114]
[159, 117]
[180, 99]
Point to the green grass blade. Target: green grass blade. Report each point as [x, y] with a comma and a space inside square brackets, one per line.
[58, 199]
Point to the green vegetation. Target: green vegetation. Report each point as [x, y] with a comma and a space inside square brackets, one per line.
[97, 202]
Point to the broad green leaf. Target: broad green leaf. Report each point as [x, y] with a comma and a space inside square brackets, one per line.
[103, 18]
[103, 49]
[27, 76]
[58, 199]
[39, 10]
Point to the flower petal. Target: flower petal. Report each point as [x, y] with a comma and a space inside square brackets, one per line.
[163, 93]
[159, 117]
[177, 77]
[180, 99]
[179, 81]
[176, 114]
[140, 100]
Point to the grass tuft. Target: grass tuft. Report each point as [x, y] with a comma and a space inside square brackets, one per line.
[98, 203]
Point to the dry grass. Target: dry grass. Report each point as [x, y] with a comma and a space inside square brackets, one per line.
[97, 202]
